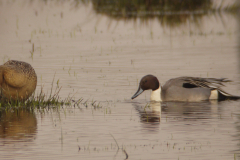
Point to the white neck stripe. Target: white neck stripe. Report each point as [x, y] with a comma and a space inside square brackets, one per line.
[156, 95]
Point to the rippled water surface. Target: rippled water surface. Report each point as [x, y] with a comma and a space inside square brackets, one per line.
[100, 57]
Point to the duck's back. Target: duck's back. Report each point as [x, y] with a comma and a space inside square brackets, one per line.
[19, 80]
[177, 89]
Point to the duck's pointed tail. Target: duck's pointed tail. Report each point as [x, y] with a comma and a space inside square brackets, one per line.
[226, 96]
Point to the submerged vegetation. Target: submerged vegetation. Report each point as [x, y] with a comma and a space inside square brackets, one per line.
[130, 8]
[170, 13]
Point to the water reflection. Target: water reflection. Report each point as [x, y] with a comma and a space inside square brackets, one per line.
[191, 110]
[149, 114]
[237, 135]
[237, 123]
[18, 124]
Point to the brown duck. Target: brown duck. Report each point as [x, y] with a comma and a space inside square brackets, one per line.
[18, 80]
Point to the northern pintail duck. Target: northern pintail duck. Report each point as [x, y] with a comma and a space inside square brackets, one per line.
[18, 80]
[184, 89]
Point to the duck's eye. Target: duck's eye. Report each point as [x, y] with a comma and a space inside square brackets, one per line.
[145, 81]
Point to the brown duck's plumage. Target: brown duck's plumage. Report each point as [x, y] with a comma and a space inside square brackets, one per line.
[18, 80]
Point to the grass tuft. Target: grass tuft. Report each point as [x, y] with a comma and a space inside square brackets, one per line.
[42, 100]
[38, 101]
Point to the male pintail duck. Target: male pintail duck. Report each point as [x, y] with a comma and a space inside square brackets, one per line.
[185, 89]
[18, 80]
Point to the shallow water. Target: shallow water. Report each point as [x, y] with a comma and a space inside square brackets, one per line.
[101, 58]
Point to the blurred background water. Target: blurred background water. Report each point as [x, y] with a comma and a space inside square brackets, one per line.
[98, 50]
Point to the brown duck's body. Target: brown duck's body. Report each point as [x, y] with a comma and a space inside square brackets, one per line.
[18, 80]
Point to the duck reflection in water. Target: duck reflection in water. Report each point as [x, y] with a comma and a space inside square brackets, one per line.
[18, 124]
[150, 115]
[188, 111]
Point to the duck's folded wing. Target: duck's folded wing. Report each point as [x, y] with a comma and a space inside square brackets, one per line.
[13, 76]
[211, 83]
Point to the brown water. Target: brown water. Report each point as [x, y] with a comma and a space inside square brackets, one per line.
[97, 57]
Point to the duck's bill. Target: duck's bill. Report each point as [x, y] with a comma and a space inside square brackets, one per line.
[140, 90]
